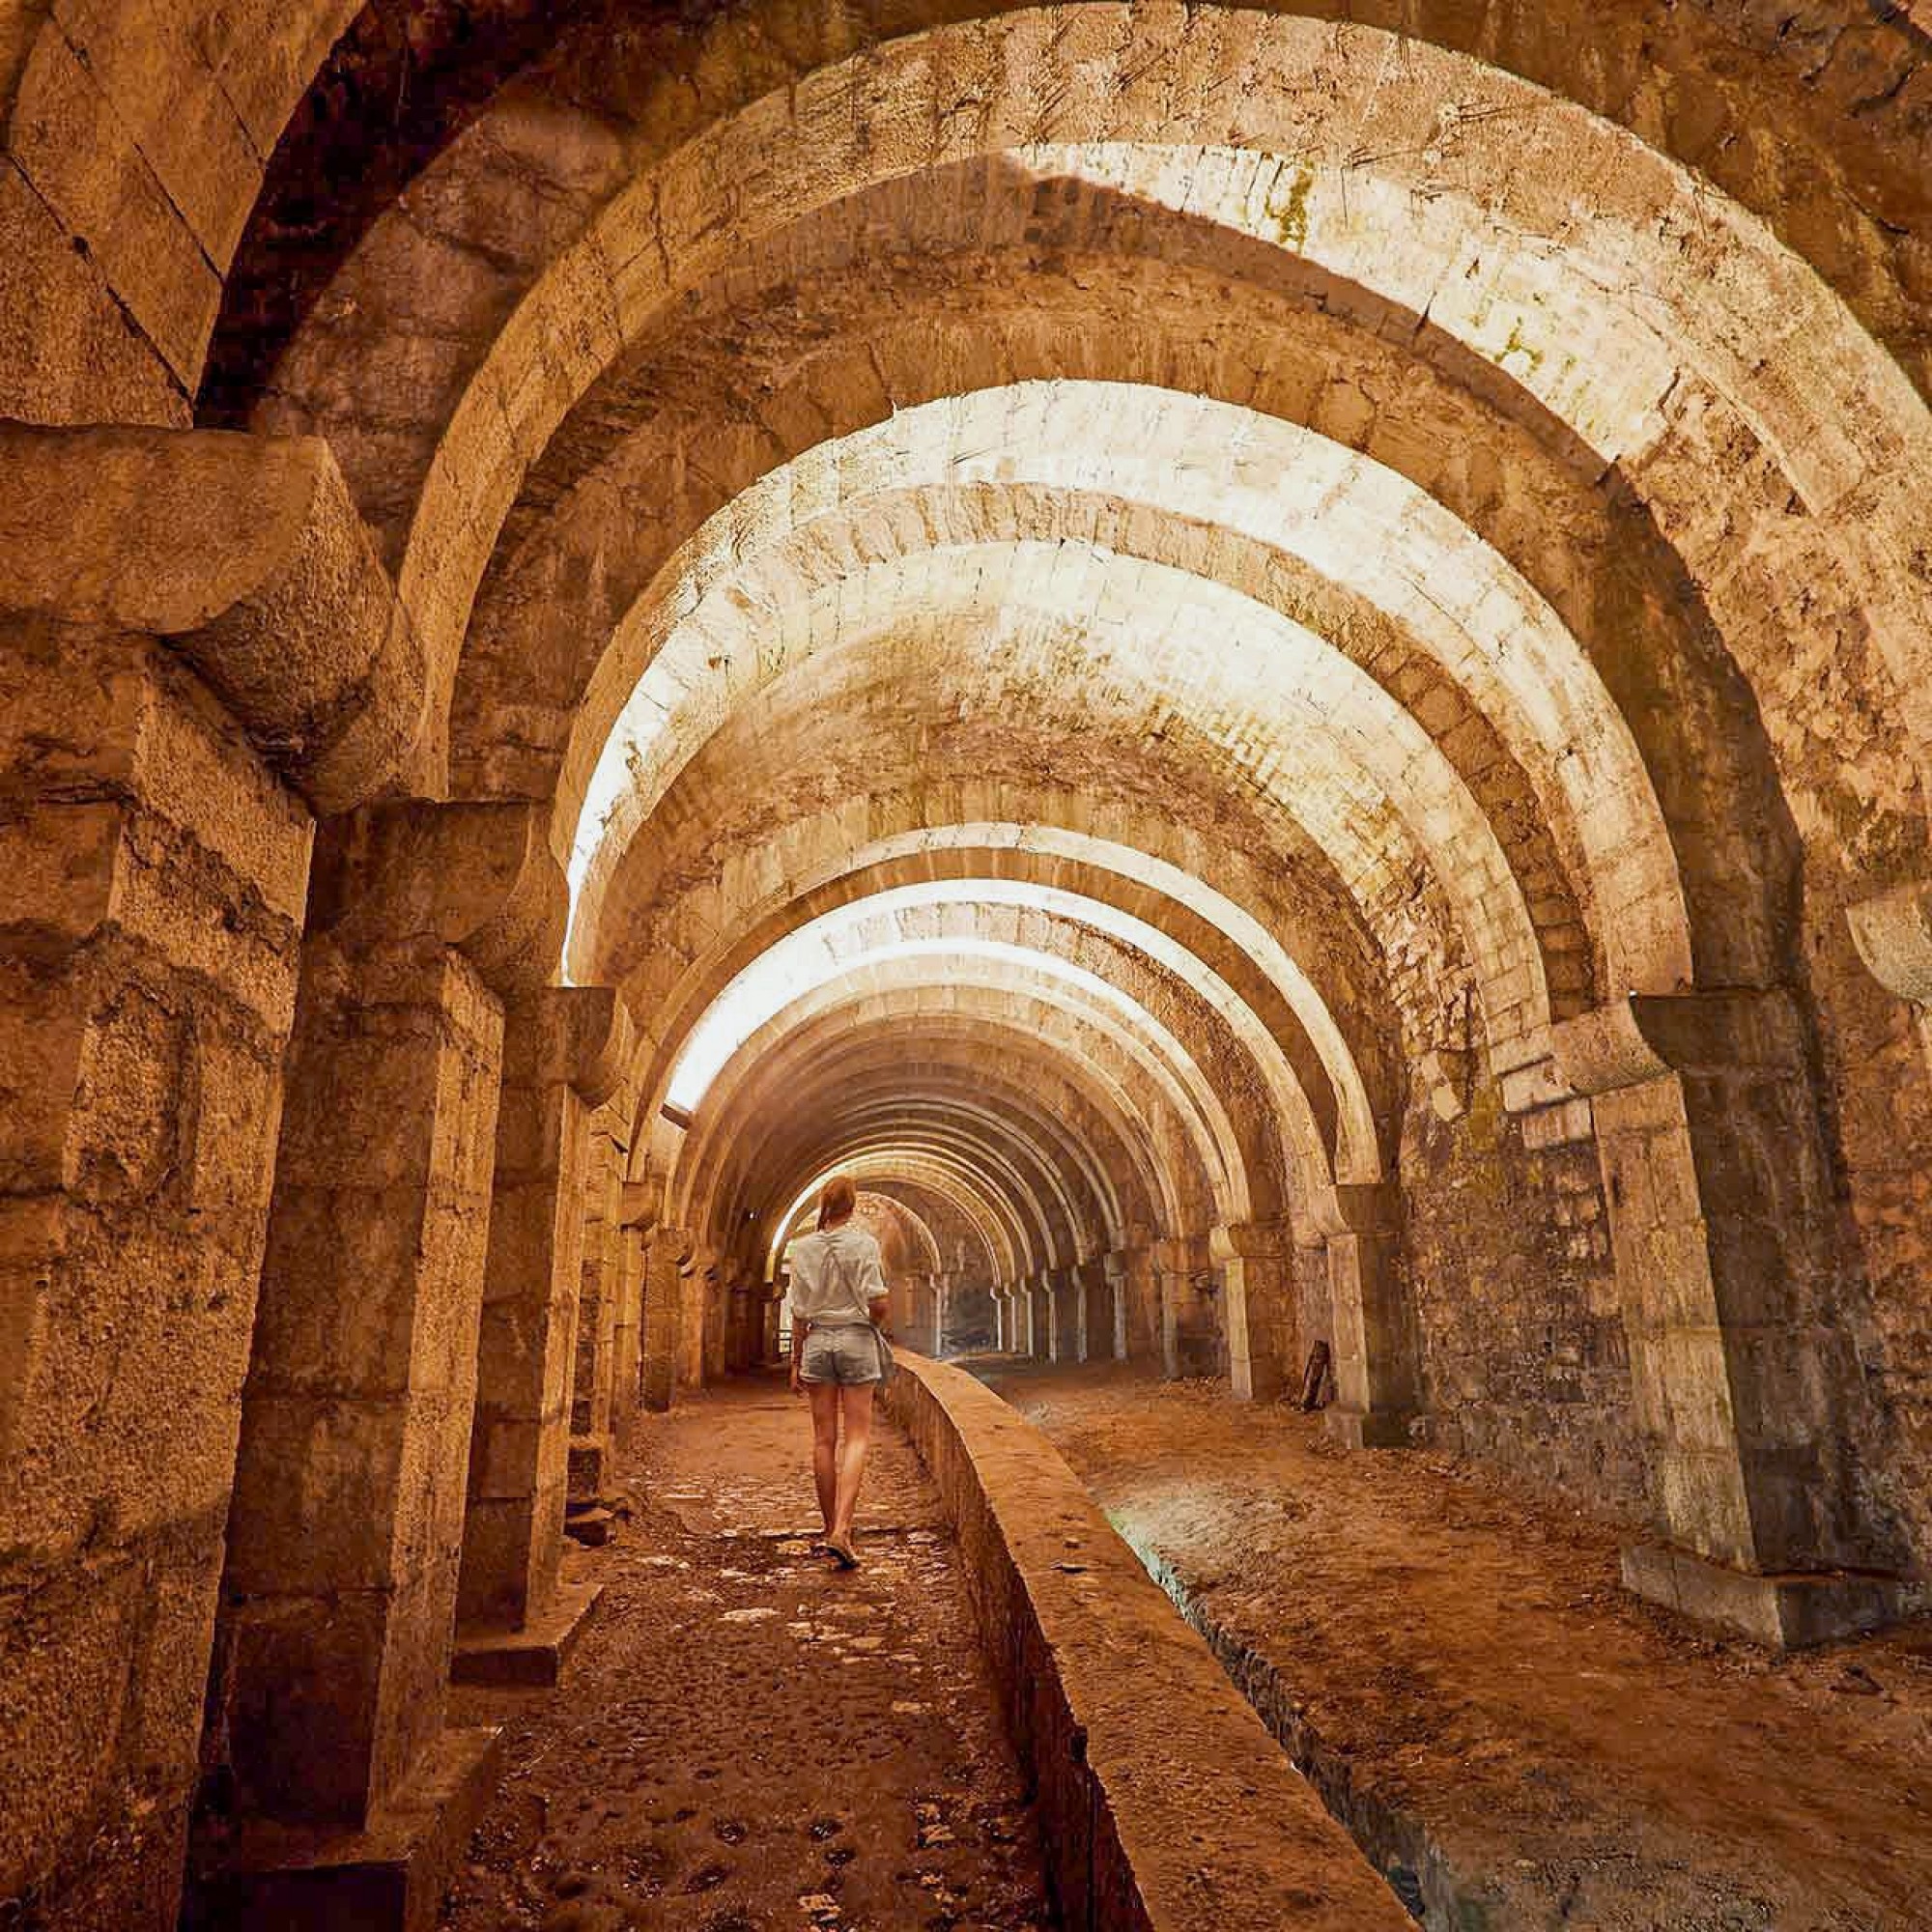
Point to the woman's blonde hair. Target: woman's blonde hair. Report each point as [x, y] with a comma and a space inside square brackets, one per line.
[837, 1201]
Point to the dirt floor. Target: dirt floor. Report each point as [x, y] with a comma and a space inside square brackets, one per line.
[1472, 1684]
[747, 1737]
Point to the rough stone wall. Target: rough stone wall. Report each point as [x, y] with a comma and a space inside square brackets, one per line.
[152, 883]
[1517, 1318]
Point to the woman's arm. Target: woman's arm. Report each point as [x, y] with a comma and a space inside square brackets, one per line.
[799, 1331]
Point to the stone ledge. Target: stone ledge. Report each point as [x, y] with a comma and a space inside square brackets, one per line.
[534, 1657]
[389, 1878]
[1164, 1802]
[1786, 1612]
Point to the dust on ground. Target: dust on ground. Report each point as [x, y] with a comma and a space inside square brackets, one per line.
[1569, 1756]
[747, 1737]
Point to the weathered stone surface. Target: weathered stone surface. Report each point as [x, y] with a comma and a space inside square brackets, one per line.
[1136, 1815]
[152, 879]
[1271, 669]
[245, 550]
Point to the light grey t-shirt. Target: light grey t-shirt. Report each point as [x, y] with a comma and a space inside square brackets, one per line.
[835, 1276]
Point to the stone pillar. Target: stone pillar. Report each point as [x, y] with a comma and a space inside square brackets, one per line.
[153, 868]
[1376, 1382]
[773, 1295]
[1124, 1291]
[151, 884]
[1137, 1302]
[1190, 1333]
[564, 1051]
[1258, 1275]
[1747, 1385]
[942, 1292]
[327, 1697]
[627, 1347]
[744, 1330]
[593, 1380]
[715, 1303]
[1040, 1318]
[664, 1295]
[1063, 1315]
[695, 1293]
[1097, 1310]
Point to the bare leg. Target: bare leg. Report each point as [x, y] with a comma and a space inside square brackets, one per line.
[854, 1408]
[824, 1399]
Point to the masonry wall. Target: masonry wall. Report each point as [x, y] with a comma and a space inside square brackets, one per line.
[1517, 1318]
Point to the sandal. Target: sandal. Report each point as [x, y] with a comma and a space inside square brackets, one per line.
[843, 1555]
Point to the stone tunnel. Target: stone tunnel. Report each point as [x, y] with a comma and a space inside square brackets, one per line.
[1269, 667]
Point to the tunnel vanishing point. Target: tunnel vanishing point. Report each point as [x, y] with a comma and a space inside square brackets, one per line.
[1272, 665]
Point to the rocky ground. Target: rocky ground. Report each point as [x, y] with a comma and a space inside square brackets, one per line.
[1529, 1744]
[747, 1738]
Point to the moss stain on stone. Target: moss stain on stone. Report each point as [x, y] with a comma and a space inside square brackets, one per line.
[1289, 211]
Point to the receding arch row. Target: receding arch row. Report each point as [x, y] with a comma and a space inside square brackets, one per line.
[1155, 1147]
[1584, 561]
[1633, 889]
[938, 1175]
[1337, 546]
[696, 932]
[1147, 1072]
[1090, 935]
[1070, 1112]
[660, 230]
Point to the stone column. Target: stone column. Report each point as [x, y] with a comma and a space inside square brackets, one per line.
[344, 1542]
[154, 869]
[1191, 1338]
[1137, 1304]
[1064, 1311]
[1097, 1310]
[1258, 1275]
[694, 1294]
[594, 1373]
[627, 1347]
[1040, 1318]
[664, 1295]
[1747, 1385]
[942, 1293]
[1377, 1381]
[716, 1304]
[1115, 1262]
[564, 1051]
[1010, 1339]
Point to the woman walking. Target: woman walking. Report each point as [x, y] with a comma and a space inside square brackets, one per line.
[838, 1354]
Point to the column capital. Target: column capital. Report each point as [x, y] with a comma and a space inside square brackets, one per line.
[1359, 1207]
[1894, 936]
[248, 554]
[1646, 1035]
[479, 877]
[583, 1039]
[1250, 1240]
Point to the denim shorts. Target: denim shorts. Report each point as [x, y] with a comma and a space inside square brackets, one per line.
[847, 1354]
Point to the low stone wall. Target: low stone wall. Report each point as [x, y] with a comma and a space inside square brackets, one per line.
[1164, 1802]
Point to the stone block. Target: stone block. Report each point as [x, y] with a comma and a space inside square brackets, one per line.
[389, 1876]
[589, 1466]
[318, 1495]
[535, 1656]
[67, 354]
[71, 142]
[1786, 1612]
